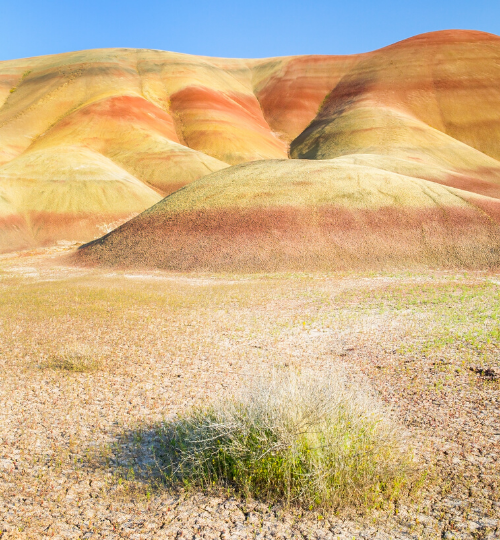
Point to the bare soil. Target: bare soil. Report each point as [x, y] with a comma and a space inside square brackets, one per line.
[76, 456]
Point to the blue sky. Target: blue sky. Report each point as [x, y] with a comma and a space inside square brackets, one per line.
[231, 28]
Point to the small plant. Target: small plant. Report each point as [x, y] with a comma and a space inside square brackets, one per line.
[24, 75]
[310, 439]
[78, 359]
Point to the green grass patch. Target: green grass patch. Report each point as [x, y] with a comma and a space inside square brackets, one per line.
[77, 359]
[460, 318]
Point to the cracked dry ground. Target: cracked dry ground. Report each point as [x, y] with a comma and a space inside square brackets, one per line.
[75, 454]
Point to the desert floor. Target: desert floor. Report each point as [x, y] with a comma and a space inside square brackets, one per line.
[75, 449]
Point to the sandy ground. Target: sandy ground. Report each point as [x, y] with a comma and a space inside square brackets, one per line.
[75, 449]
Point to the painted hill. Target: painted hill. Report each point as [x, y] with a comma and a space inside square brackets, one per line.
[305, 215]
[432, 101]
[398, 167]
[161, 119]
[66, 193]
[89, 139]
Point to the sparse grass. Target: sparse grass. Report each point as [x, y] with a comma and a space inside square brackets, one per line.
[309, 438]
[24, 75]
[76, 359]
[167, 344]
[461, 319]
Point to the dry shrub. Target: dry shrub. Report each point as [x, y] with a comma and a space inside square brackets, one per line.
[77, 358]
[311, 439]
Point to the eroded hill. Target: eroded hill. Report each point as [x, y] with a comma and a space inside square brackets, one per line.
[407, 137]
[159, 119]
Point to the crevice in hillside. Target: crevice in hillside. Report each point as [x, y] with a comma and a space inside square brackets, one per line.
[138, 70]
[280, 136]
[325, 100]
[178, 124]
[276, 134]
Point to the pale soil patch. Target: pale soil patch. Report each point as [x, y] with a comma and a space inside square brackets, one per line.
[75, 453]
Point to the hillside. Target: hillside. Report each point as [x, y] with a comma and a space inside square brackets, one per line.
[304, 215]
[163, 118]
[91, 139]
[432, 101]
[398, 168]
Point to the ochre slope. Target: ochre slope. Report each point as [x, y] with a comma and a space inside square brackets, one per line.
[138, 136]
[84, 196]
[432, 100]
[146, 111]
[128, 106]
[303, 215]
[398, 142]
[45, 90]
[14, 230]
[426, 108]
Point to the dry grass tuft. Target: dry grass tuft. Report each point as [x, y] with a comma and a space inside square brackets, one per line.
[77, 359]
[310, 439]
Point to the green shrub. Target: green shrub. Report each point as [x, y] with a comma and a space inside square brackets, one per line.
[311, 439]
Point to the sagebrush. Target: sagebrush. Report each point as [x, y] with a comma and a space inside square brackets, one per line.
[307, 438]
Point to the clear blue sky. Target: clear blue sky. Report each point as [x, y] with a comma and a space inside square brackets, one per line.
[247, 29]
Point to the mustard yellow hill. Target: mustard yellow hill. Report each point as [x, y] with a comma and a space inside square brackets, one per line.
[89, 139]
[163, 118]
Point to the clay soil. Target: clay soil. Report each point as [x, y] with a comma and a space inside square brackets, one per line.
[91, 361]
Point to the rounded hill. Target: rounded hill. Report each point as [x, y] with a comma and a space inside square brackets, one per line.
[282, 215]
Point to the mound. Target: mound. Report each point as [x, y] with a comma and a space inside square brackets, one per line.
[65, 193]
[426, 108]
[165, 118]
[303, 215]
[136, 135]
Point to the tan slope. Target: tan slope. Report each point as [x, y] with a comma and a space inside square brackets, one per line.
[138, 136]
[84, 196]
[14, 230]
[432, 100]
[305, 215]
[132, 107]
